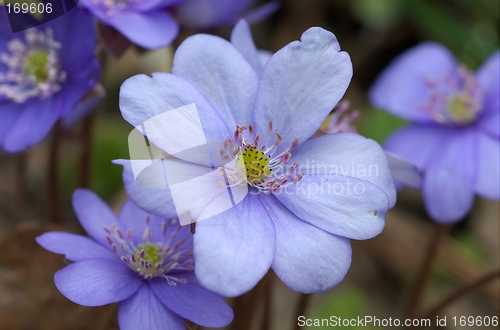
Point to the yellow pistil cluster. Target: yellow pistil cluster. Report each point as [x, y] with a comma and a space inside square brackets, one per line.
[36, 65]
[253, 164]
[459, 109]
[148, 255]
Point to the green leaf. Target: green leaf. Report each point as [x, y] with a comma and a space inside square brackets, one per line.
[378, 125]
[347, 303]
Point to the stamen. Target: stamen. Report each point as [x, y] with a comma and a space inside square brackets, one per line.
[256, 167]
[340, 120]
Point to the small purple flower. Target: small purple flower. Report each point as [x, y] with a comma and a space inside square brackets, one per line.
[142, 261]
[263, 117]
[152, 23]
[454, 135]
[44, 72]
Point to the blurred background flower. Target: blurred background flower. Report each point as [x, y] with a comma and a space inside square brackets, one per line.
[454, 136]
[43, 75]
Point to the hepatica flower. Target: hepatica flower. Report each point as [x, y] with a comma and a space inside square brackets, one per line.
[153, 24]
[44, 72]
[454, 131]
[142, 261]
[278, 200]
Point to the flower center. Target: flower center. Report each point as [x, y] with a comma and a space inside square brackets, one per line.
[153, 259]
[454, 101]
[147, 256]
[36, 65]
[255, 163]
[259, 168]
[460, 109]
[33, 67]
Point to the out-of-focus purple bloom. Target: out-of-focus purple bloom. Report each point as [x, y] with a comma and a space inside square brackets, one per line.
[203, 14]
[301, 210]
[155, 23]
[142, 261]
[455, 129]
[44, 72]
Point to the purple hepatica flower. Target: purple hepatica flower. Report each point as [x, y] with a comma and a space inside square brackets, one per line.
[140, 260]
[44, 72]
[149, 24]
[302, 234]
[455, 129]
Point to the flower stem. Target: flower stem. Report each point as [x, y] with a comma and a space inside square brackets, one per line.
[246, 305]
[86, 152]
[425, 271]
[22, 184]
[53, 173]
[267, 295]
[301, 308]
[462, 292]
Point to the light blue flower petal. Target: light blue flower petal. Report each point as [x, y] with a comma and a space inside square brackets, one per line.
[241, 38]
[221, 73]
[97, 282]
[488, 166]
[144, 311]
[150, 101]
[404, 172]
[152, 200]
[489, 78]
[347, 154]
[93, 214]
[234, 250]
[264, 56]
[74, 247]
[300, 85]
[402, 88]
[341, 205]
[193, 302]
[347, 188]
[307, 259]
[448, 186]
